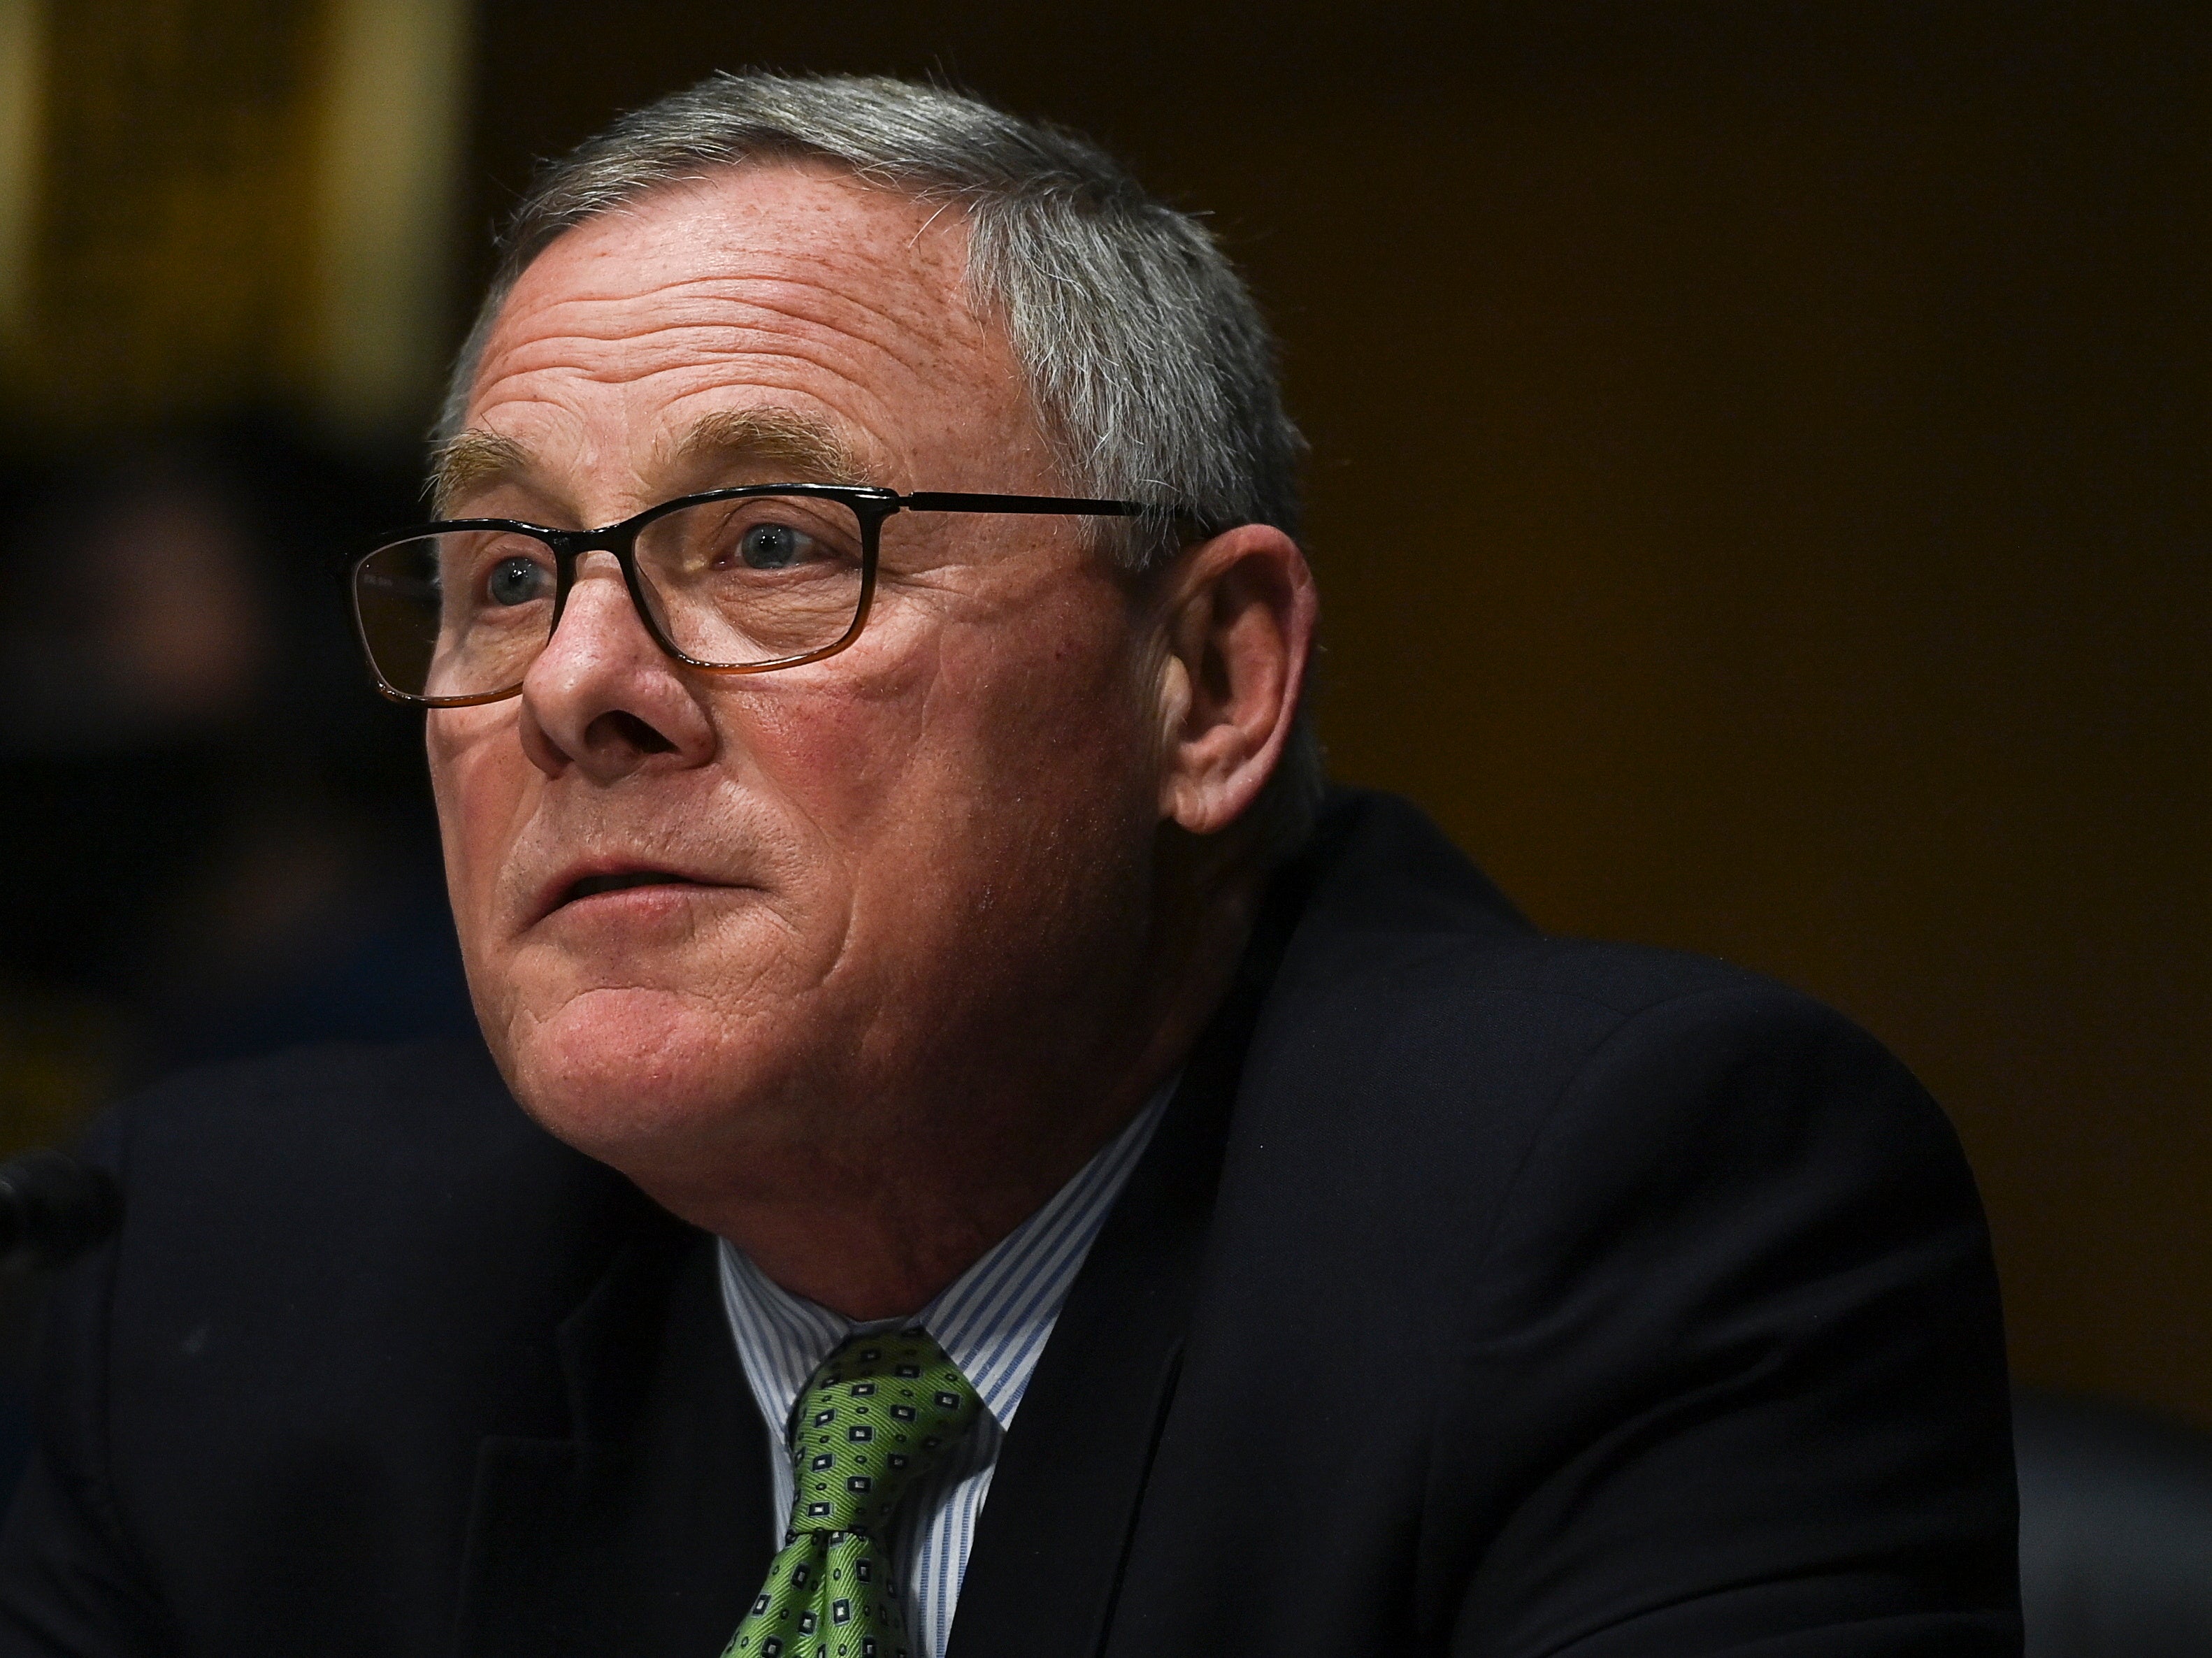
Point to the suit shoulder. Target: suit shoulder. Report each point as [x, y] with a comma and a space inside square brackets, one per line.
[446, 1089]
[384, 1134]
[1378, 868]
[336, 1070]
[1412, 1025]
[1445, 1096]
[1396, 927]
[1610, 982]
[1410, 1006]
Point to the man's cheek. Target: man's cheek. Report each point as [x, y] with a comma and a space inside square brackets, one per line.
[850, 764]
[477, 781]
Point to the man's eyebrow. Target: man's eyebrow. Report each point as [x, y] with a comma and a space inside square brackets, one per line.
[472, 458]
[799, 448]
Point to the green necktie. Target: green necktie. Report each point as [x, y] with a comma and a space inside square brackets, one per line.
[879, 1414]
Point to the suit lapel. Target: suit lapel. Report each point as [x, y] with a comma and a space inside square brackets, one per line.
[1050, 1542]
[648, 1530]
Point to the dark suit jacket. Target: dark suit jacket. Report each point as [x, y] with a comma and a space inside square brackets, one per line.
[1482, 1293]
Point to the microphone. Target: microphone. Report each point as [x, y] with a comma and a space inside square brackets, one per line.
[53, 1208]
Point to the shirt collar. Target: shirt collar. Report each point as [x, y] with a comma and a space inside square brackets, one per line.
[992, 1320]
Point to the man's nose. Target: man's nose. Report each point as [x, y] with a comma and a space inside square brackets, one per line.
[602, 698]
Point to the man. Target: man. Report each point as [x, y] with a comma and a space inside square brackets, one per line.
[1008, 1178]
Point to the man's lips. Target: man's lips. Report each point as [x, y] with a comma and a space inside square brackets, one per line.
[573, 886]
[591, 884]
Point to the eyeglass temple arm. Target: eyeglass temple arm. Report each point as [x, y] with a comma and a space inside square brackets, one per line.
[940, 500]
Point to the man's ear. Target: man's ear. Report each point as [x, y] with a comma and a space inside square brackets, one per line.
[1237, 615]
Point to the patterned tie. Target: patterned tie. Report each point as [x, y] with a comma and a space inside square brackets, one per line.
[879, 1414]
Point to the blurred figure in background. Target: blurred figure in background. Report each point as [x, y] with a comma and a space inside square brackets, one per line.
[229, 846]
[219, 844]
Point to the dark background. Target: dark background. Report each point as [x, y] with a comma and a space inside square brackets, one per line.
[1758, 491]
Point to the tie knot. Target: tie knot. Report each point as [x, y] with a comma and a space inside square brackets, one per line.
[881, 1412]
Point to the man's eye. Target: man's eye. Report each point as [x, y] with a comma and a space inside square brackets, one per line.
[774, 547]
[515, 581]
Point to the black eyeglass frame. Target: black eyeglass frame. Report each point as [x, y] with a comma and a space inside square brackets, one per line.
[869, 505]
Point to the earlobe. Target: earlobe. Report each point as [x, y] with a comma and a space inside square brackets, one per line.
[1238, 623]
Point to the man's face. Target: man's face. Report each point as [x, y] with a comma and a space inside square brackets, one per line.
[871, 883]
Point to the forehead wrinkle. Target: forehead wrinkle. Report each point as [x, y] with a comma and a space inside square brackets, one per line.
[842, 450]
[787, 360]
[914, 335]
[838, 451]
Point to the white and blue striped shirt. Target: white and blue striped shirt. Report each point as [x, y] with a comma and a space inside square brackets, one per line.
[992, 1321]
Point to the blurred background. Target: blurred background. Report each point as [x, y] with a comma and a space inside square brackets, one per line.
[1758, 488]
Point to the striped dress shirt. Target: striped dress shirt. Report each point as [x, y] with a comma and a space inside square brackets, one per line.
[992, 1321]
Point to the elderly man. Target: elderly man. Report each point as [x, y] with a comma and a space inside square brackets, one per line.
[1008, 1170]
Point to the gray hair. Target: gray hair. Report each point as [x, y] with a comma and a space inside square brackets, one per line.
[1151, 371]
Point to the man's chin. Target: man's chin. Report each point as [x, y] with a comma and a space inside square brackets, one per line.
[636, 1076]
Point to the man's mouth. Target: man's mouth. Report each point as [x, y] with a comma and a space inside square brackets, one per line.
[591, 885]
[557, 894]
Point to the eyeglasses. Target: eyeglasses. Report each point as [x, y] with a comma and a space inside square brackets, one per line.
[739, 580]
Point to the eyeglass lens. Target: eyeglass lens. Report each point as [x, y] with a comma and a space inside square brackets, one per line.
[736, 583]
